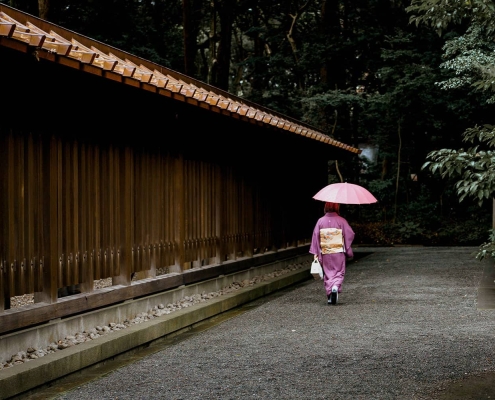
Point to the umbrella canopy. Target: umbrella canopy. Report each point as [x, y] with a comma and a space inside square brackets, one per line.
[345, 193]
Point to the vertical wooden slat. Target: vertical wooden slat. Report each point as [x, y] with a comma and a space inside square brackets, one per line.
[231, 212]
[12, 215]
[90, 222]
[188, 214]
[74, 231]
[21, 230]
[96, 231]
[31, 204]
[112, 204]
[59, 201]
[110, 219]
[4, 200]
[213, 217]
[210, 215]
[66, 220]
[172, 217]
[126, 216]
[3, 275]
[168, 194]
[10, 220]
[196, 203]
[227, 203]
[196, 208]
[38, 201]
[87, 208]
[148, 211]
[219, 216]
[178, 211]
[199, 203]
[130, 216]
[174, 198]
[116, 225]
[84, 225]
[248, 222]
[226, 220]
[155, 211]
[143, 231]
[138, 212]
[139, 207]
[208, 207]
[60, 209]
[161, 233]
[103, 226]
[195, 221]
[142, 206]
[50, 236]
[206, 213]
[232, 217]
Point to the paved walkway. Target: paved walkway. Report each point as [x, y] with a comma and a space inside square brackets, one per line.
[409, 325]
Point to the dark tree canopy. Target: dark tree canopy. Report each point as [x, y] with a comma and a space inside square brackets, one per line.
[371, 73]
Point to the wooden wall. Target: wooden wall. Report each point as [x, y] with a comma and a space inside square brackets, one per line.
[100, 181]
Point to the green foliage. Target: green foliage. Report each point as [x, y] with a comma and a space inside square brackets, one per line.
[487, 249]
[475, 166]
[469, 56]
[441, 14]
[410, 230]
[459, 230]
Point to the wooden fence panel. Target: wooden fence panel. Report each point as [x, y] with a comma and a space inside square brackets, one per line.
[200, 197]
[20, 210]
[75, 211]
[165, 235]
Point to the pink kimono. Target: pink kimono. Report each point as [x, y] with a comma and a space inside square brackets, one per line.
[333, 262]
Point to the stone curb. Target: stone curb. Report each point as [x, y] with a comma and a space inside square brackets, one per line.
[25, 377]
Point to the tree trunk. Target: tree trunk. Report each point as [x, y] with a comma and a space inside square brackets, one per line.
[212, 60]
[331, 72]
[290, 36]
[190, 26]
[224, 50]
[43, 9]
[398, 173]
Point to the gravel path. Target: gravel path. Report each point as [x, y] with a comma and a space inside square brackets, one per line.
[406, 327]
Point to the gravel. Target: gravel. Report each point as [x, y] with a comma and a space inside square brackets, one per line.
[406, 327]
[158, 310]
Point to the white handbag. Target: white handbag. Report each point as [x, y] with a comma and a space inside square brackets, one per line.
[316, 269]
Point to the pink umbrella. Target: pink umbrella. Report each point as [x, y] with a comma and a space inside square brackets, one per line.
[345, 193]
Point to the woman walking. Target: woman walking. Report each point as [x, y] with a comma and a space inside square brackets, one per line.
[331, 245]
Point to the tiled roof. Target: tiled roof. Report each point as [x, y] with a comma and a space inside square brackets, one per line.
[50, 42]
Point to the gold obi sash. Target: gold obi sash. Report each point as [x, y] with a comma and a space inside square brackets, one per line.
[331, 241]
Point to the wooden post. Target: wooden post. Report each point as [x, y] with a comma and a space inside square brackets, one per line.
[84, 241]
[219, 212]
[179, 236]
[124, 252]
[50, 237]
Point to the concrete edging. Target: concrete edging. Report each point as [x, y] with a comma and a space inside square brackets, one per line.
[25, 377]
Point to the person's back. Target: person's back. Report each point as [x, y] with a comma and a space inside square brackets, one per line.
[331, 244]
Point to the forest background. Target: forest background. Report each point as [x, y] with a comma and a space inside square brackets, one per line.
[409, 83]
